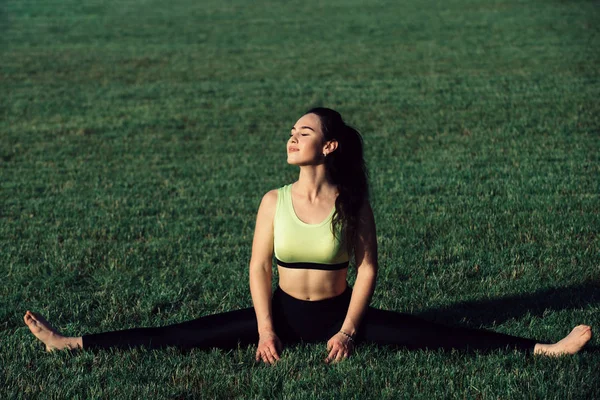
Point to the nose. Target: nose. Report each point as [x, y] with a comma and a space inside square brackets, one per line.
[293, 139]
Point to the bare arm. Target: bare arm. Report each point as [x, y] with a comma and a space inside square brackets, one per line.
[261, 276]
[365, 254]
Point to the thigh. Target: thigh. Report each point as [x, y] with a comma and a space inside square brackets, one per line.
[398, 329]
[226, 330]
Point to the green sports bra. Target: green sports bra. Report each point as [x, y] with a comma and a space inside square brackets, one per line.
[301, 245]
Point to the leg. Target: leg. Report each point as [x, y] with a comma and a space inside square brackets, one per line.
[220, 330]
[224, 331]
[392, 328]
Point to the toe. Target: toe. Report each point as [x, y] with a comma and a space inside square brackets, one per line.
[579, 329]
[38, 318]
[585, 329]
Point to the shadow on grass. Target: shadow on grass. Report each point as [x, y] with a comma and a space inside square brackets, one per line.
[497, 311]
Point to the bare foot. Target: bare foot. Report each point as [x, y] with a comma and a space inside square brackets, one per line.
[570, 344]
[48, 335]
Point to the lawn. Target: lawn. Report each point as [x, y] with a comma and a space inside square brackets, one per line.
[138, 137]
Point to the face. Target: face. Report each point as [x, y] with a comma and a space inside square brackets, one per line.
[306, 144]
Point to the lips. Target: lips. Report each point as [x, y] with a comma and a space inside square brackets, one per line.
[293, 149]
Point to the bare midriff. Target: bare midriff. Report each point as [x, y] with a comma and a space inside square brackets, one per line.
[312, 284]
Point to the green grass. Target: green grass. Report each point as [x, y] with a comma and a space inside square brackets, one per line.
[137, 138]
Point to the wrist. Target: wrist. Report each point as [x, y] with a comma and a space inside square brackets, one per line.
[348, 336]
[350, 330]
[266, 332]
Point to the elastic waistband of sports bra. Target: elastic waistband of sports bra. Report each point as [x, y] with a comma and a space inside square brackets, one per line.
[308, 265]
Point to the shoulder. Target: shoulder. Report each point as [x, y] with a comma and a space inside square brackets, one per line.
[270, 198]
[268, 204]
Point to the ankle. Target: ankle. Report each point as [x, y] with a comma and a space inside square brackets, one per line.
[72, 343]
[541, 348]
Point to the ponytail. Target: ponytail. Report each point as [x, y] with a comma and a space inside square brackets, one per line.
[347, 170]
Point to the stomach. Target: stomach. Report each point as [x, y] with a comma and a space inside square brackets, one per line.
[312, 284]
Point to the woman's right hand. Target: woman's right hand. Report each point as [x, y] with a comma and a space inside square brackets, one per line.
[269, 347]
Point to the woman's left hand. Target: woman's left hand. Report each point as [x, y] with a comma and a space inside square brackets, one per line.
[339, 347]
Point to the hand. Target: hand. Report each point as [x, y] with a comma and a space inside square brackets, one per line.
[269, 347]
[339, 347]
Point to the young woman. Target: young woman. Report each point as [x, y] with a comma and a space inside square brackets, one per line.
[312, 227]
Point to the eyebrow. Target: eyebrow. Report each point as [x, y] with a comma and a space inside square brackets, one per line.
[304, 127]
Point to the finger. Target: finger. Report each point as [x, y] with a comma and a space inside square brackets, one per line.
[274, 352]
[331, 355]
[260, 354]
[272, 349]
[270, 356]
[265, 358]
[337, 357]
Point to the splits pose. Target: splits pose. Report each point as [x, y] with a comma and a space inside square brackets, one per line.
[313, 228]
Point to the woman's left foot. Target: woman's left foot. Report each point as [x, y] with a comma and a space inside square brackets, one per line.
[570, 344]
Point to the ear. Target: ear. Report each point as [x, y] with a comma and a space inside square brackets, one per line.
[330, 146]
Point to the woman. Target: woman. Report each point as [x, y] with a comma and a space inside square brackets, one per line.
[312, 227]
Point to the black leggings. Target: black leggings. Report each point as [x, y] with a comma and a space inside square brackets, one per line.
[309, 321]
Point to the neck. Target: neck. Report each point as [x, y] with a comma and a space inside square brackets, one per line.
[313, 182]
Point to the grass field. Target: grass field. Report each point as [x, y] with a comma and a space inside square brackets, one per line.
[137, 138]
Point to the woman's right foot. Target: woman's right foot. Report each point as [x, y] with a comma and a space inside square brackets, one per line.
[570, 344]
[42, 330]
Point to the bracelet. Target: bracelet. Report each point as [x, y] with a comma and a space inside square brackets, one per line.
[350, 338]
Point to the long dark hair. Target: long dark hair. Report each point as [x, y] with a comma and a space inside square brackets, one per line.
[347, 170]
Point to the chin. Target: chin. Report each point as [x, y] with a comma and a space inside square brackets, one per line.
[292, 160]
